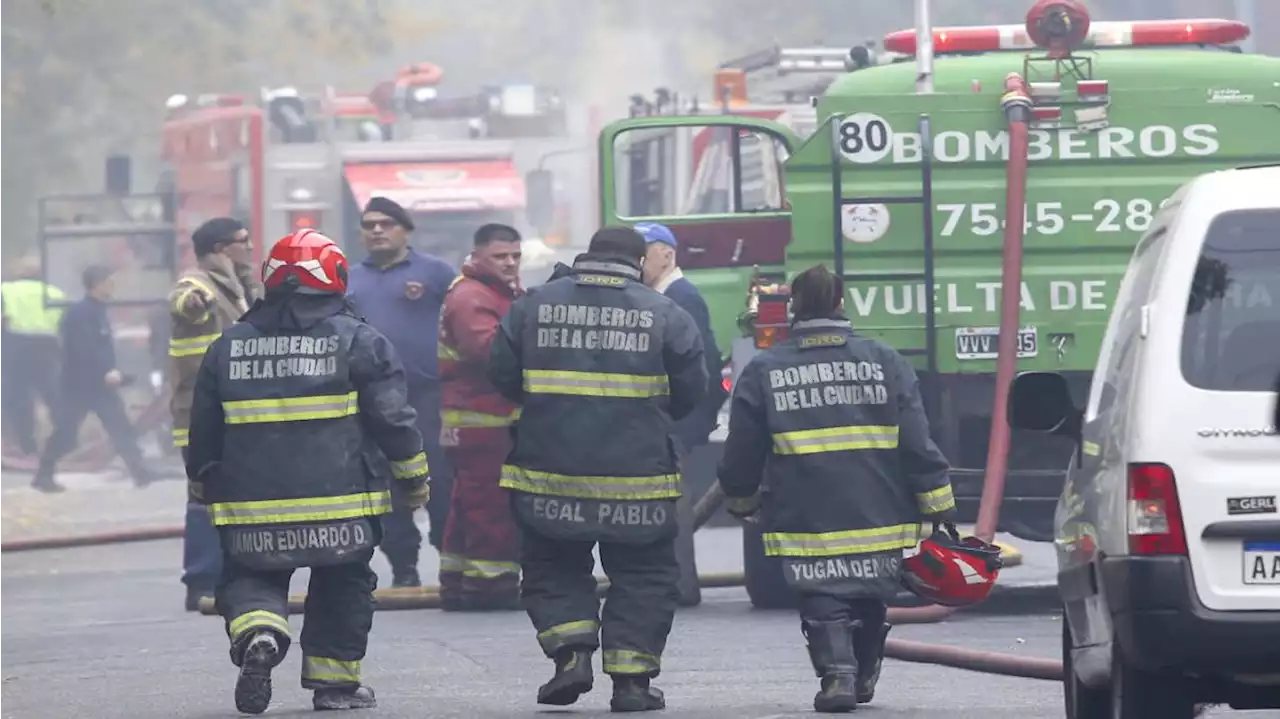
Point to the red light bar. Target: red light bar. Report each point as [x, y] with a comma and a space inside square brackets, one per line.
[1092, 87]
[1145, 33]
[1047, 114]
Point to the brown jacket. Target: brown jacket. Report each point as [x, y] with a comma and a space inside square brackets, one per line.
[194, 330]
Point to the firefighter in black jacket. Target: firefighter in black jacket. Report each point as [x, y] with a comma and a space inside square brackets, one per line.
[297, 410]
[602, 366]
[829, 450]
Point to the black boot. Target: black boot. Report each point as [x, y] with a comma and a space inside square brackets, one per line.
[406, 578]
[868, 647]
[831, 651]
[44, 481]
[633, 694]
[360, 697]
[253, 688]
[573, 678]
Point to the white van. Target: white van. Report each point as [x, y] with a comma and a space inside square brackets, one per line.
[1167, 532]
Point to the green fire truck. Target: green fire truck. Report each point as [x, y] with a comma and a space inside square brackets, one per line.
[903, 193]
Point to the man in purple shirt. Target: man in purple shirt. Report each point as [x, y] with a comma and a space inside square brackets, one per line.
[399, 291]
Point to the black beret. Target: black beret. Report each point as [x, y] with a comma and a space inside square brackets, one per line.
[391, 209]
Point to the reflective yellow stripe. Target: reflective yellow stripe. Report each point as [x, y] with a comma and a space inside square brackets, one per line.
[835, 439]
[626, 661]
[662, 486]
[191, 346]
[291, 409]
[334, 671]
[445, 352]
[595, 384]
[460, 418]
[193, 285]
[411, 468]
[452, 563]
[308, 509]
[584, 632]
[835, 544]
[257, 619]
[477, 568]
[181, 437]
[936, 500]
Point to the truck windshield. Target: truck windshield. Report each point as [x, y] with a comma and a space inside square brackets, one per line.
[1231, 338]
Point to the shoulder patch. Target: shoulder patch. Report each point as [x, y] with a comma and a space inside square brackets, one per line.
[601, 280]
[831, 340]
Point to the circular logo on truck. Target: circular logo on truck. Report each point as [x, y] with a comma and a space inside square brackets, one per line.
[864, 223]
[864, 138]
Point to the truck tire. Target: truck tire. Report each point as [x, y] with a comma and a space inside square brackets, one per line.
[1136, 694]
[1082, 701]
[766, 586]
[686, 555]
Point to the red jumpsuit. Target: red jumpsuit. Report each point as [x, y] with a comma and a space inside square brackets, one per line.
[479, 566]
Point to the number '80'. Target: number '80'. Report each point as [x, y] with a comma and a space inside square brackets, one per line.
[855, 137]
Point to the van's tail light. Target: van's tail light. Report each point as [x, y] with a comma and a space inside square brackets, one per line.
[304, 219]
[771, 320]
[1155, 517]
[726, 377]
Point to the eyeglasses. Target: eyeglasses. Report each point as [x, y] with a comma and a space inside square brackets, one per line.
[378, 224]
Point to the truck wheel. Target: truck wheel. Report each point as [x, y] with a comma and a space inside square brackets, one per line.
[766, 586]
[1082, 701]
[1136, 694]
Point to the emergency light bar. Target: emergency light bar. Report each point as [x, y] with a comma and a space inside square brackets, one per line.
[1146, 33]
[812, 59]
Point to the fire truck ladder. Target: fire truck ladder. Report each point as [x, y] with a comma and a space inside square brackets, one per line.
[779, 75]
[925, 200]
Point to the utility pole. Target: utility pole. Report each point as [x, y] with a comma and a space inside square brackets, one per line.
[924, 49]
[1245, 13]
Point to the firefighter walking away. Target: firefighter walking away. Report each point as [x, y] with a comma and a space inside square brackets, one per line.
[833, 427]
[601, 365]
[295, 413]
[479, 560]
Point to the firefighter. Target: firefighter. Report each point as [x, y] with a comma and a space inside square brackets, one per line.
[829, 428]
[30, 349]
[601, 365]
[206, 299]
[297, 410]
[479, 562]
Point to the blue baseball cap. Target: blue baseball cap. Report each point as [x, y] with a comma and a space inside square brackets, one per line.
[655, 232]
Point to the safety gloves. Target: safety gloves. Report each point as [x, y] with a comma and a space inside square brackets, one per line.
[417, 493]
[745, 509]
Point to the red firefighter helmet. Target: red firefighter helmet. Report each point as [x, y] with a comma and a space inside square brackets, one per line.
[951, 571]
[307, 259]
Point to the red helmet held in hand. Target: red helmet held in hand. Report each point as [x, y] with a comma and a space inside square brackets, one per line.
[951, 571]
[307, 259]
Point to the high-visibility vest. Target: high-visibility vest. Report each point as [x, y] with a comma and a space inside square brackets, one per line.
[24, 306]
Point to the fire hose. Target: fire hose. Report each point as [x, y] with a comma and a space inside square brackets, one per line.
[1016, 104]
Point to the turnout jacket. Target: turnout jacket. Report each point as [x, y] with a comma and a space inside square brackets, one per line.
[601, 365]
[296, 411]
[474, 305]
[830, 429]
[193, 330]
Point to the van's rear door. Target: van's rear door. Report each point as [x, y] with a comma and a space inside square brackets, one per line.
[1226, 453]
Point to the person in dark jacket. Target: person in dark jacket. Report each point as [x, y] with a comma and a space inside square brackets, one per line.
[829, 449]
[300, 423]
[400, 290]
[602, 366]
[90, 382]
[662, 273]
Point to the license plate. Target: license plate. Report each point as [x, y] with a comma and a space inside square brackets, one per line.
[983, 342]
[1262, 562]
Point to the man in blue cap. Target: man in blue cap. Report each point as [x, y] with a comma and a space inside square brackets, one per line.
[662, 273]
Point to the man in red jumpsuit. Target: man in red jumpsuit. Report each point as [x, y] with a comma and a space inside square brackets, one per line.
[479, 569]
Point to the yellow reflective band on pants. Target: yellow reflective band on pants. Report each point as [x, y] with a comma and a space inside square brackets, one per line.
[662, 486]
[595, 384]
[462, 418]
[181, 437]
[291, 409]
[583, 633]
[835, 544]
[937, 500]
[411, 468]
[255, 620]
[293, 511]
[330, 671]
[191, 346]
[835, 439]
[626, 661]
[477, 568]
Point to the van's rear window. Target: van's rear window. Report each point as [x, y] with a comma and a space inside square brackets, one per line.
[1231, 338]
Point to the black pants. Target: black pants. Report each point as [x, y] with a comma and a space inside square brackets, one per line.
[335, 630]
[29, 372]
[870, 611]
[401, 539]
[74, 406]
[558, 590]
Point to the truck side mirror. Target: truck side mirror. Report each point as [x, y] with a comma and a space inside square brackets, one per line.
[1041, 402]
[540, 200]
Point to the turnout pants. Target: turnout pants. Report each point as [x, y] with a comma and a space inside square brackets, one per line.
[869, 611]
[401, 538]
[559, 593]
[335, 630]
[74, 407]
[481, 552]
